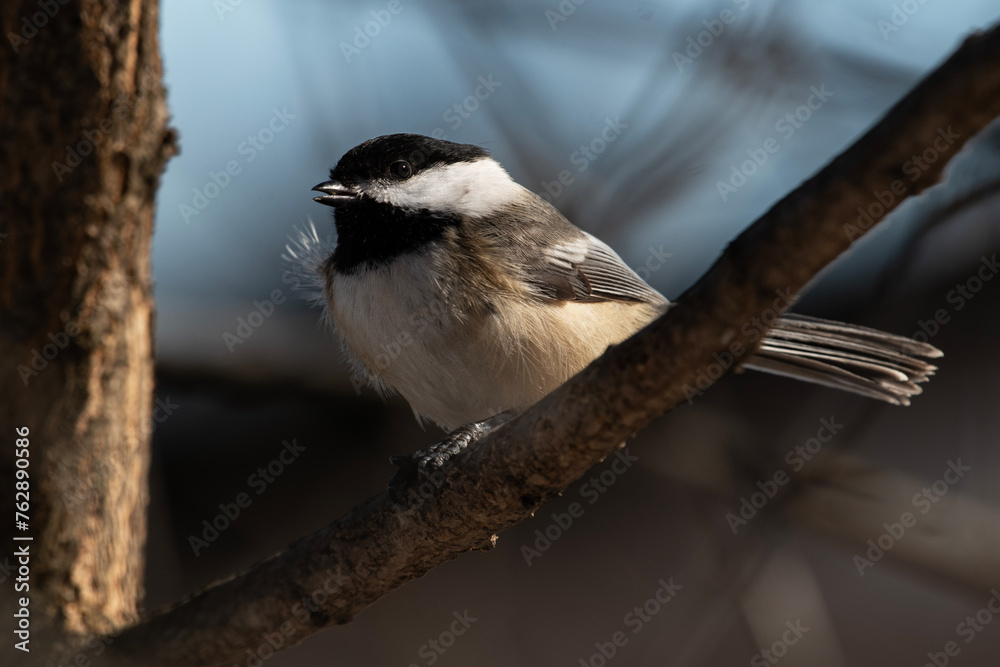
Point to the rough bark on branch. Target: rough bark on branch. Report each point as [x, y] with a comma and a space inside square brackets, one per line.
[379, 546]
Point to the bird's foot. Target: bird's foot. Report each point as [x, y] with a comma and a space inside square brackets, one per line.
[426, 464]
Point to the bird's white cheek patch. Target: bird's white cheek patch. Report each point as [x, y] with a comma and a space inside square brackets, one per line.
[466, 188]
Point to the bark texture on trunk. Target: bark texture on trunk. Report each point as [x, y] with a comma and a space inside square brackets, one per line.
[83, 141]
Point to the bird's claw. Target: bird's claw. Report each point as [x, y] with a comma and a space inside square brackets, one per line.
[426, 464]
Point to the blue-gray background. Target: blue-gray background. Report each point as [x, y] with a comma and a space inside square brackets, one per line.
[241, 70]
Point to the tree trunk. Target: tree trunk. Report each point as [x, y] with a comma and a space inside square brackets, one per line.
[83, 141]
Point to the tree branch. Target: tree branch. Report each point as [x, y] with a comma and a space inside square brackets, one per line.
[379, 545]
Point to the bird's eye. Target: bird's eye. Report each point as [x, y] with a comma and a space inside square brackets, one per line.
[401, 169]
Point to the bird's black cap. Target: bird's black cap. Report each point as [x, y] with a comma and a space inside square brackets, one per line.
[372, 159]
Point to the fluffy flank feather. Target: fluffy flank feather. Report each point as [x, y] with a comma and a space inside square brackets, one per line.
[306, 255]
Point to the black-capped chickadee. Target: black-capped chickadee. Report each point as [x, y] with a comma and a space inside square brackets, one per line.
[473, 298]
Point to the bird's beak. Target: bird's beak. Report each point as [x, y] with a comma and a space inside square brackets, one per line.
[334, 193]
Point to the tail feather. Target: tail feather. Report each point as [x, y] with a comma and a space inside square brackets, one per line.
[888, 341]
[894, 368]
[846, 356]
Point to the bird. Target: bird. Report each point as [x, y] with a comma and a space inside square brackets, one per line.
[472, 297]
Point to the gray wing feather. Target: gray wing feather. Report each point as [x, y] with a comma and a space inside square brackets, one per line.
[586, 269]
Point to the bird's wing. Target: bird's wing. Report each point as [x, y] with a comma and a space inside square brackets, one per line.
[587, 269]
